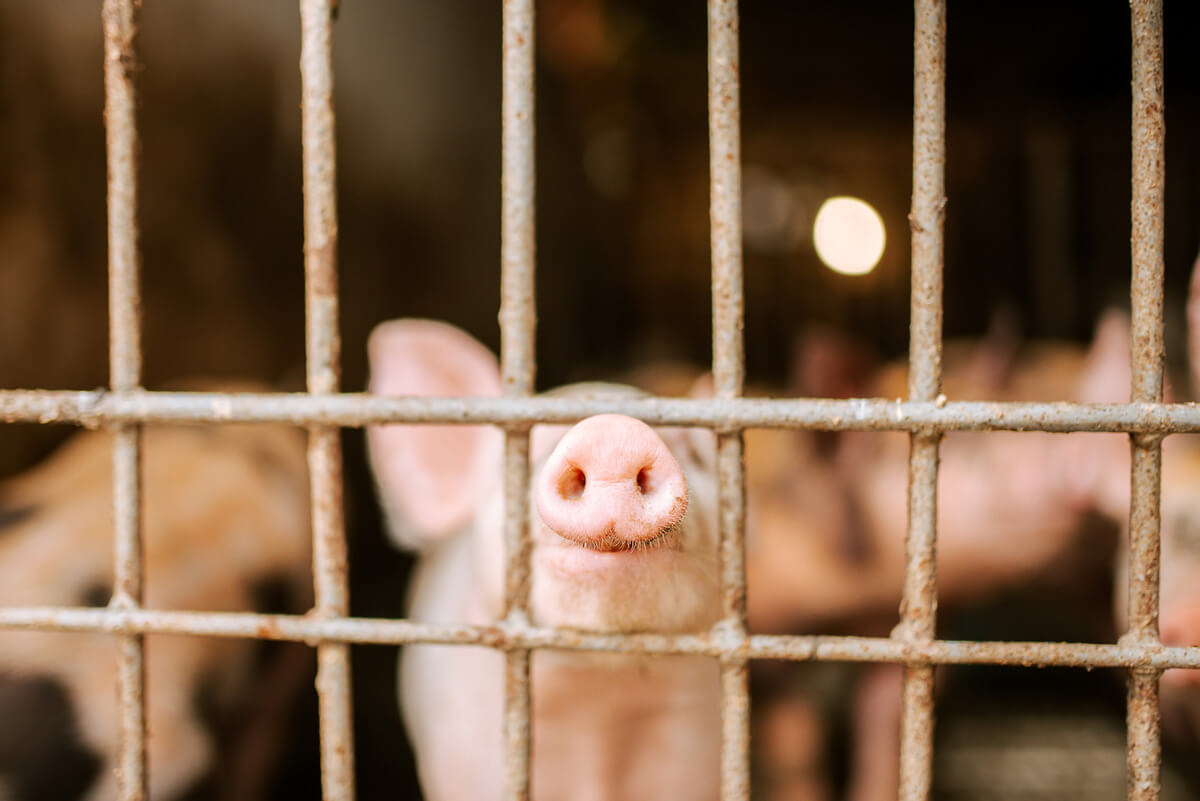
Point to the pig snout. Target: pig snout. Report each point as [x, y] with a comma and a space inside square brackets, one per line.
[611, 484]
[1180, 626]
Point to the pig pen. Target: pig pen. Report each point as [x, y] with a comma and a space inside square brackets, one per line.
[973, 744]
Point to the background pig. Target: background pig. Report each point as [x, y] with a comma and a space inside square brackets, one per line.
[827, 515]
[225, 529]
[624, 531]
[1179, 599]
[1009, 502]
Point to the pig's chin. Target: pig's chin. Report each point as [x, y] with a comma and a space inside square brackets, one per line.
[615, 585]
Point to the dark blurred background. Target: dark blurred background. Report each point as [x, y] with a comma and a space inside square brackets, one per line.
[1037, 226]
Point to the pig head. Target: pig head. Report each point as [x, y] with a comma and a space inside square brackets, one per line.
[225, 521]
[623, 524]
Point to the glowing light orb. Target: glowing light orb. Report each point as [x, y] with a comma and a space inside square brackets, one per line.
[849, 236]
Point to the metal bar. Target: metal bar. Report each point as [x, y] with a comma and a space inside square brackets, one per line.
[502, 635]
[125, 368]
[728, 307]
[918, 609]
[518, 550]
[93, 409]
[735, 688]
[725, 210]
[1147, 358]
[323, 356]
[517, 364]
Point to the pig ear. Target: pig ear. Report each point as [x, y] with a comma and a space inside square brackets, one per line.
[991, 362]
[431, 478]
[1106, 372]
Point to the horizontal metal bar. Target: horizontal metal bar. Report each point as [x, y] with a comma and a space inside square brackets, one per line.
[506, 635]
[95, 408]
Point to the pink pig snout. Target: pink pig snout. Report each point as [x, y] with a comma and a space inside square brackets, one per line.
[611, 484]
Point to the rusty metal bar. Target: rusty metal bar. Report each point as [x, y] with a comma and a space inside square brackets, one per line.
[517, 364]
[120, 24]
[728, 312]
[918, 609]
[93, 409]
[323, 363]
[725, 210]
[1147, 210]
[716, 643]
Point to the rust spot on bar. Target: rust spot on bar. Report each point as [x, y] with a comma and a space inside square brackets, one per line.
[1144, 759]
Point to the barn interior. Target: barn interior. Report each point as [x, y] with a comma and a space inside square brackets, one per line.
[1037, 233]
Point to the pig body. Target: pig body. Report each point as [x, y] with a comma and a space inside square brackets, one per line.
[225, 516]
[623, 525]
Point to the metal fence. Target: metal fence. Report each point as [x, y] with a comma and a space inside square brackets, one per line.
[926, 415]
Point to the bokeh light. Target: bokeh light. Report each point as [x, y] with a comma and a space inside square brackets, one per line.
[849, 235]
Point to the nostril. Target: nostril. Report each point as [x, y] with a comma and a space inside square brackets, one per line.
[572, 483]
[643, 480]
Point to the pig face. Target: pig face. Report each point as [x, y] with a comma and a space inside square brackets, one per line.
[225, 515]
[623, 516]
[624, 527]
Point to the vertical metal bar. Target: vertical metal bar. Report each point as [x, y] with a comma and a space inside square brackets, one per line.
[323, 362]
[517, 364]
[725, 175]
[1146, 296]
[919, 606]
[125, 369]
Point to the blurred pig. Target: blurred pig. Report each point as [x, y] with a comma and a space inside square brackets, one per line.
[827, 513]
[1010, 503]
[1179, 598]
[624, 540]
[225, 516]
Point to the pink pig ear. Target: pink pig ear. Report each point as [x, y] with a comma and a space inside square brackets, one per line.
[1106, 371]
[431, 478]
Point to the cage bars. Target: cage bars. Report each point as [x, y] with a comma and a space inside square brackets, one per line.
[926, 416]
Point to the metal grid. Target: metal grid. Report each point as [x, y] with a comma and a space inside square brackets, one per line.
[323, 409]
